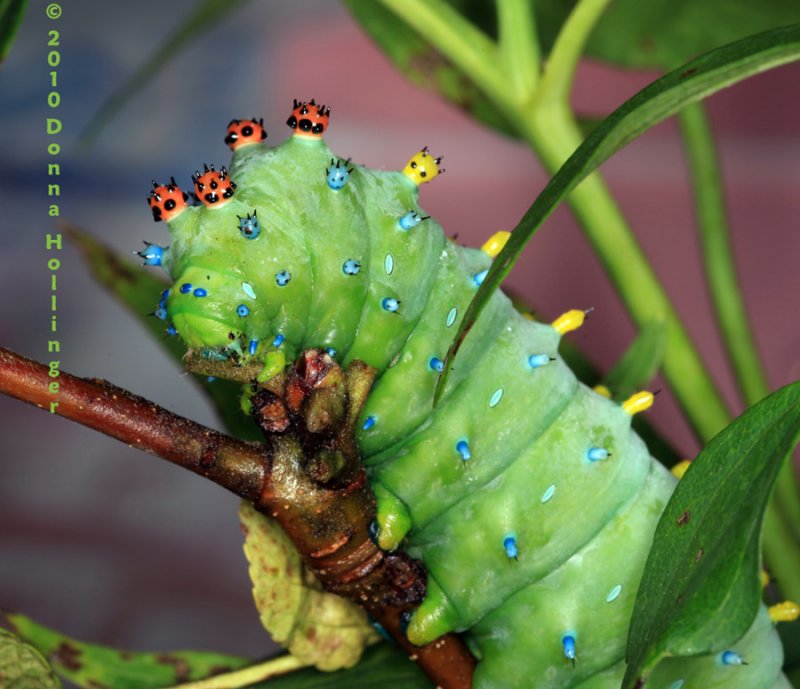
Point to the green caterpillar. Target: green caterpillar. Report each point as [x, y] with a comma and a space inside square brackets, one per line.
[526, 494]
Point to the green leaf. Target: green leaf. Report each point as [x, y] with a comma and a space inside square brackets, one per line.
[11, 13]
[700, 590]
[205, 15]
[94, 667]
[666, 33]
[140, 290]
[640, 362]
[424, 65]
[382, 666]
[666, 96]
[22, 666]
[316, 627]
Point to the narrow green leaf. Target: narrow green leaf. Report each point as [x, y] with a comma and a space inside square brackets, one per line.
[382, 666]
[22, 666]
[11, 13]
[205, 15]
[640, 362]
[423, 63]
[140, 290]
[700, 589]
[666, 96]
[94, 667]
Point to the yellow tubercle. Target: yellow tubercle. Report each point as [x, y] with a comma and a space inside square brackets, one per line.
[603, 391]
[638, 402]
[422, 167]
[494, 245]
[569, 321]
[763, 575]
[788, 611]
[680, 468]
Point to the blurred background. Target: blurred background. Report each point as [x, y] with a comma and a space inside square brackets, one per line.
[111, 545]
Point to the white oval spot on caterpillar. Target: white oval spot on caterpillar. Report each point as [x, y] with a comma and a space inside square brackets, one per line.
[613, 594]
[496, 397]
[451, 317]
[677, 685]
[549, 493]
[247, 288]
[388, 264]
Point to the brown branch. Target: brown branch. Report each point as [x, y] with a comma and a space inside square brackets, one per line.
[308, 477]
[239, 466]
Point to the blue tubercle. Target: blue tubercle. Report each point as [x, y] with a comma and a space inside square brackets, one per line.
[249, 226]
[242, 310]
[537, 360]
[200, 292]
[282, 278]
[160, 313]
[278, 341]
[171, 331]
[568, 642]
[731, 658]
[152, 254]
[186, 287]
[337, 174]
[410, 220]
[462, 447]
[390, 304]
[351, 267]
[369, 422]
[510, 545]
[252, 347]
[436, 364]
[478, 278]
[331, 352]
[596, 454]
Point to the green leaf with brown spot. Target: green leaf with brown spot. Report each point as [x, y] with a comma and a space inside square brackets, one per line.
[139, 289]
[22, 666]
[100, 667]
[316, 627]
[700, 590]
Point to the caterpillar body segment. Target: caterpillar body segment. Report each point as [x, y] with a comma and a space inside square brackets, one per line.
[527, 495]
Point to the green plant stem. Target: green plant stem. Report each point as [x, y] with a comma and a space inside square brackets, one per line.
[247, 676]
[718, 256]
[724, 286]
[458, 39]
[567, 50]
[519, 45]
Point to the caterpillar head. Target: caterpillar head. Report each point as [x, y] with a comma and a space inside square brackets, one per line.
[245, 132]
[167, 201]
[309, 119]
[199, 307]
[211, 187]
